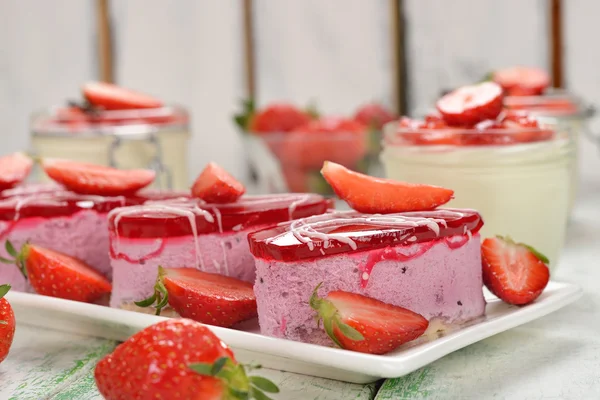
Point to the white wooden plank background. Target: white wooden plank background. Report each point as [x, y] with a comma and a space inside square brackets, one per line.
[335, 52]
[46, 51]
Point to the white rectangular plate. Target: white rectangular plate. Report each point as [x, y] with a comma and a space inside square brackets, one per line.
[333, 363]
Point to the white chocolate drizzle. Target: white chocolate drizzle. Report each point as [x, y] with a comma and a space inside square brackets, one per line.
[121, 212]
[309, 230]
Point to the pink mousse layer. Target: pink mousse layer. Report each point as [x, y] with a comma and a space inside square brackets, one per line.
[83, 235]
[436, 280]
[135, 261]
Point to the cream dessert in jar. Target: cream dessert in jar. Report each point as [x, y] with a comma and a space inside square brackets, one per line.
[516, 172]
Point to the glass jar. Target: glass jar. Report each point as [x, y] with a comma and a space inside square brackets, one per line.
[564, 112]
[522, 190]
[146, 138]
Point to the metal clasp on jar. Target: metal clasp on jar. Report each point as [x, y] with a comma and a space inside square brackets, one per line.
[149, 134]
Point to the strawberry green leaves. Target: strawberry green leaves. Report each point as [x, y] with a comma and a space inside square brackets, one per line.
[327, 312]
[238, 385]
[160, 297]
[19, 257]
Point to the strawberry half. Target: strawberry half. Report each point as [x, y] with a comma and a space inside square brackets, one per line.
[522, 81]
[7, 323]
[113, 97]
[177, 359]
[86, 178]
[469, 105]
[363, 324]
[215, 185]
[14, 168]
[55, 274]
[514, 272]
[382, 196]
[208, 298]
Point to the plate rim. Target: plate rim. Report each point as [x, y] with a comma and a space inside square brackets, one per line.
[556, 296]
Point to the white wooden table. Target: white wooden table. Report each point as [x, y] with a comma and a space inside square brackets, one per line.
[556, 357]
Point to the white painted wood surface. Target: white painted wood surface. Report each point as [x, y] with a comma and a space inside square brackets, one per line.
[56, 365]
[555, 357]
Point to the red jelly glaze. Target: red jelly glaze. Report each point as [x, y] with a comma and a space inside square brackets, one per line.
[47, 201]
[279, 243]
[246, 212]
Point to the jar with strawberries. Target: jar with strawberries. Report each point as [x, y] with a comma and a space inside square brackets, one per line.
[516, 171]
[286, 145]
[116, 127]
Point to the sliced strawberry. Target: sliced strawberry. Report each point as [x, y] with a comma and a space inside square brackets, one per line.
[86, 178]
[363, 324]
[277, 117]
[208, 298]
[469, 105]
[177, 359]
[14, 169]
[525, 129]
[382, 196]
[7, 323]
[113, 97]
[215, 185]
[522, 81]
[374, 115]
[55, 274]
[514, 272]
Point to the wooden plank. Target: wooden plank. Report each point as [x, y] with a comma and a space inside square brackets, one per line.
[556, 43]
[452, 43]
[105, 56]
[41, 365]
[47, 52]
[60, 366]
[187, 52]
[249, 50]
[335, 53]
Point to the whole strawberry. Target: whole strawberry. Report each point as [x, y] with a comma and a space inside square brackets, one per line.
[274, 118]
[7, 323]
[177, 359]
[373, 115]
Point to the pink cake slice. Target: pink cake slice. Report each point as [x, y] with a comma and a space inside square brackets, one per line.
[52, 217]
[427, 262]
[193, 234]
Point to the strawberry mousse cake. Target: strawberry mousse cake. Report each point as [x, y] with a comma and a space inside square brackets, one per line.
[428, 262]
[51, 216]
[211, 237]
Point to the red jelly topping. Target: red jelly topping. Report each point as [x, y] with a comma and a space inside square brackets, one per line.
[341, 232]
[48, 201]
[182, 218]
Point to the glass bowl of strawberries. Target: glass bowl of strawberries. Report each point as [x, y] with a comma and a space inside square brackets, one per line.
[515, 170]
[286, 146]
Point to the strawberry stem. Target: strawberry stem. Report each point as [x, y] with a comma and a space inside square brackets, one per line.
[160, 295]
[242, 120]
[20, 257]
[238, 384]
[327, 312]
